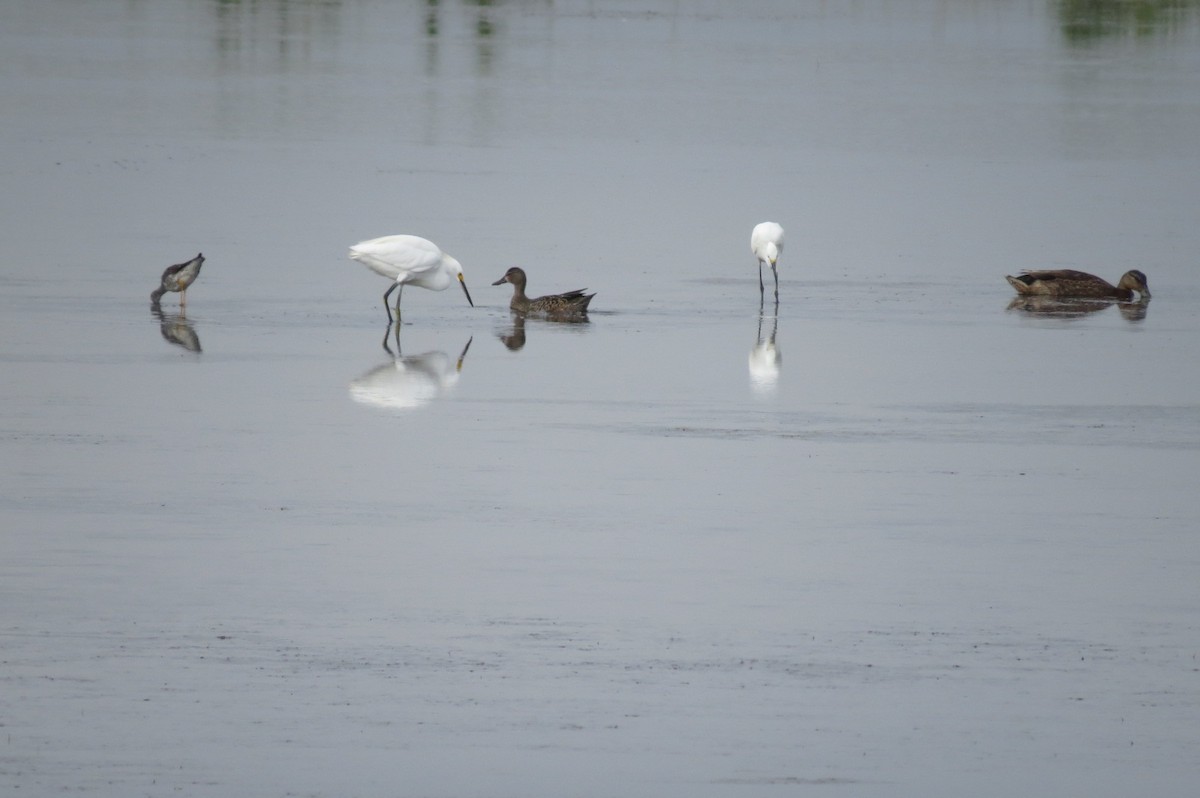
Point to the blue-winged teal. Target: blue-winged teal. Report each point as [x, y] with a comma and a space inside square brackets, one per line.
[562, 304]
[1070, 283]
[178, 278]
[409, 260]
[766, 242]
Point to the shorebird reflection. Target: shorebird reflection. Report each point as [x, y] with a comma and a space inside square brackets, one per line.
[407, 382]
[1064, 308]
[765, 359]
[176, 329]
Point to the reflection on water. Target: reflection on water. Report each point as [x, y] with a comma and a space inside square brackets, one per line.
[1057, 308]
[765, 359]
[512, 335]
[1086, 21]
[408, 382]
[176, 328]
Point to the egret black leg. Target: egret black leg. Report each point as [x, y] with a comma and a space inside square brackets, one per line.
[387, 334]
[761, 290]
[386, 294]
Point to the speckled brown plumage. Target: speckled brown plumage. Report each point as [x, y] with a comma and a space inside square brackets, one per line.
[1071, 283]
[567, 303]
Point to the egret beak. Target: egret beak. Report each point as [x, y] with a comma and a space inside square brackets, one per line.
[463, 356]
[463, 283]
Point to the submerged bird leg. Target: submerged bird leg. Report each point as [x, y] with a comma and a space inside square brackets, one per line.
[386, 333]
[386, 307]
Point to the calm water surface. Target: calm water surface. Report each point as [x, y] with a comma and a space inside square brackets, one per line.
[896, 537]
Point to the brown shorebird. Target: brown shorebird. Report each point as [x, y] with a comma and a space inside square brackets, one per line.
[178, 278]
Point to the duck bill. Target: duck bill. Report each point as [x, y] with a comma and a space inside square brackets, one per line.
[501, 281]
[463, 283]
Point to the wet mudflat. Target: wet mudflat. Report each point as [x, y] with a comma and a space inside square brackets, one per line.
[930, 543]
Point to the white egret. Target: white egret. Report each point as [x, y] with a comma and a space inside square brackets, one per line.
[766, 242]
[178, 278]
[409, 260]
[410, 381]
[765, 359]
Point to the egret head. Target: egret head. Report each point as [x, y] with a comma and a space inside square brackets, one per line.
[771, 251]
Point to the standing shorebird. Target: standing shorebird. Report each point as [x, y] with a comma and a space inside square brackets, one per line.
[409, 260]
[766, 242]
[178, 278]
[571, 302]
[1081, 285]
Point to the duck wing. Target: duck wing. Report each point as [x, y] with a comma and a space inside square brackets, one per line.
[576, 294]
[1056, 275]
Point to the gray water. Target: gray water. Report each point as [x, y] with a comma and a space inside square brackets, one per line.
[934, 545]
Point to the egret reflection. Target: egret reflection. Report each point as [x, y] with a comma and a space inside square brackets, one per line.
[1059, 308]
[176, 329]
[765, 359]
[407, 382]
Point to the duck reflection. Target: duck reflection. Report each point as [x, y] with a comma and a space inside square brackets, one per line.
[407, 382]
[512, 335]
[765, 359]
[176, 328]
[1064, 308]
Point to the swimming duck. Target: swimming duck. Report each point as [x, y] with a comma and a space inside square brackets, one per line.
[570, 302]
[178, 278]
[1070, 283]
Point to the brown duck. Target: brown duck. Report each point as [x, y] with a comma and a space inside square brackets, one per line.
[1070, 283]
[555, 304]
[178, 278]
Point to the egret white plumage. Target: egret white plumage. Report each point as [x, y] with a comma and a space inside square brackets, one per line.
[765, 359]
[410, 381]
[409, 260]
[766, 242]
